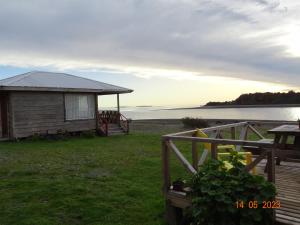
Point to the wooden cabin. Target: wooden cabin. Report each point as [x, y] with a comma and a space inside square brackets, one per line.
[47, 103]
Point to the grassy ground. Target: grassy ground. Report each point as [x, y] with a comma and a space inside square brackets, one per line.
[114, 180]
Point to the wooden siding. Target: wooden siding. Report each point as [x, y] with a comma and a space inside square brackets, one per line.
[0, 123]
[42, 113]
[3, 115]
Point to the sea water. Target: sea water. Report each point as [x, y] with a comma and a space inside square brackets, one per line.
[274, 113]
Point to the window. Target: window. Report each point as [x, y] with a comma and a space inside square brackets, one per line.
[79, 106]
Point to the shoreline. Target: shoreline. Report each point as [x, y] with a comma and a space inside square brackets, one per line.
[172, 121]
[166, 126]
[239, 106]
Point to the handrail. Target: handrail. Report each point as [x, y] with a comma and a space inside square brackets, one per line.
[102, 124]
[106, 117]
[220, 141]
[124, 123]
[208, 129]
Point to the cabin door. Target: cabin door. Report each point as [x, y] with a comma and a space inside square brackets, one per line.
[3, 116]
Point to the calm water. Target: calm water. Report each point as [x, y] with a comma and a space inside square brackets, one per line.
[280, 113]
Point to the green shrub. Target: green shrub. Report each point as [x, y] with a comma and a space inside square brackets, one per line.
[216, 191]
[194, 122]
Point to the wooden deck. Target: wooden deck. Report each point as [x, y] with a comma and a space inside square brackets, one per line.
[287, 181]
[288, 187]
[285, 176]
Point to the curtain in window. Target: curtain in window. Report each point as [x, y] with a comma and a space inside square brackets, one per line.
[79, 106]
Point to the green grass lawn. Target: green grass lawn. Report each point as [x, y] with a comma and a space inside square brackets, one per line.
[113, 180]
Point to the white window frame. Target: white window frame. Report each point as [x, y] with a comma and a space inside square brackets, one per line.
[79, 106]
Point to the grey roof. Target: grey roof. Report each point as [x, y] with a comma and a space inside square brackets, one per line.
[47, 81]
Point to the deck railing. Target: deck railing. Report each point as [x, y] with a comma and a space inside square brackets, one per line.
[265, 149]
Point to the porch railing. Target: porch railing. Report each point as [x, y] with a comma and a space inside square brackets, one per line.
[124, 123]
[112, 117]
[102, 125]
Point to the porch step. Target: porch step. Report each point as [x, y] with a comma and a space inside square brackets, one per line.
[115, 129]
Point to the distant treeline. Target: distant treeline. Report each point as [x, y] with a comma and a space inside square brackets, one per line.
[267, 98]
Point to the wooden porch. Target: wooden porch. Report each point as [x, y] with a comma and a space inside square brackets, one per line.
[112, 123]
[285, 176]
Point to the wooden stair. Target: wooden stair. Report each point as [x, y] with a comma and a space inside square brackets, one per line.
[112, 123]
[115, 129]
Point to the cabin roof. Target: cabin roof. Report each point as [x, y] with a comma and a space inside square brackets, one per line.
[59, 82]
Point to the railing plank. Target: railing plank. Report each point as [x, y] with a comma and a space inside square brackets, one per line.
[209, 129]
[243, 136]
[256, 131]
[181, 158]
[206, 151]
[220, 141]
[224, 126]
[232, 132]
[189, 132]
[256, 161]
[195, 155]
[166, 166]
[271, 166]
[214, 151]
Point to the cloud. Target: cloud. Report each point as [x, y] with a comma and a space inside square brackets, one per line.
[244, 39]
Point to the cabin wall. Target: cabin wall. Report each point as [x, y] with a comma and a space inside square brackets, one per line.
[3, 114]
[0, 123]
[42, 113]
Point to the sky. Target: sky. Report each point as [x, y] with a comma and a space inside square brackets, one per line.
[170, 52]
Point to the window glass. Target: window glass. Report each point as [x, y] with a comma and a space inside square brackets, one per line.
[79, 106]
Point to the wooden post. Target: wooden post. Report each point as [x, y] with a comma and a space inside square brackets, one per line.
[271, 175]
[96, 112]
[214, 154]
[118, 116]
[271, 165]
[232, 129]
[173, 214]
[127, 125]
[195, 156]
[243, 136]
[166, 165]
[118, 103]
